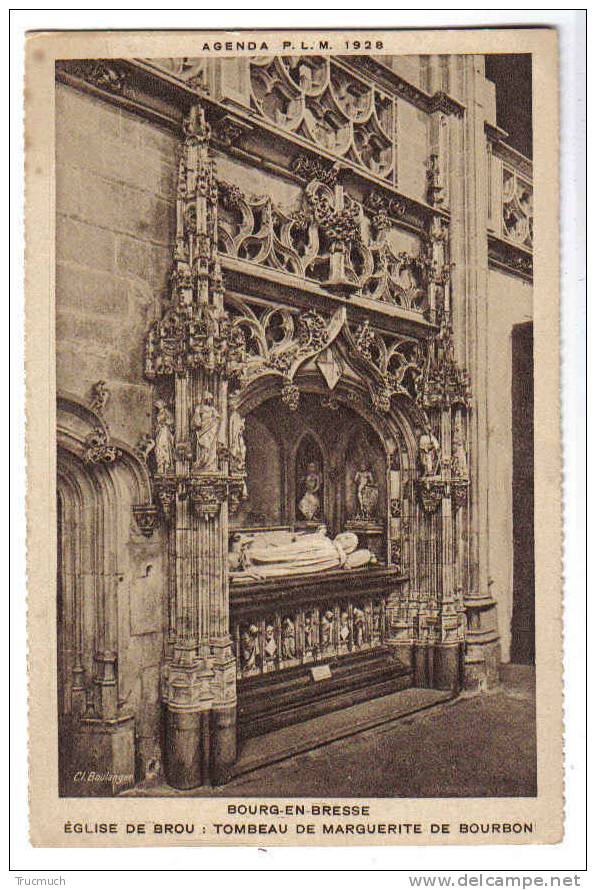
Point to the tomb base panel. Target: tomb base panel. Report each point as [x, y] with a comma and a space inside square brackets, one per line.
[269, 703]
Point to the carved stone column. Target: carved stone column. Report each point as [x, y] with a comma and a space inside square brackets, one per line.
[469, 211]
[443, 395]
[190, 354]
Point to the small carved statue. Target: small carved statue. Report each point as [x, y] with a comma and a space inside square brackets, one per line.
[308, 634]
[376, 621]
[248, 648]
[459, 458]
[270, 647]
[205, 423]
[164, 437]
[309, 503]
[359, 627]
[344, 628]
[429, 453]
[237, 445]
[326, 630]
[235, 553]
[367, 492]
[145, 446]
[288, 638]
[100, 395]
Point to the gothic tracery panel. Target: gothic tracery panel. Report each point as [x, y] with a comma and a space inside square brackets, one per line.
[518, 212]
[302, 240]
[318, 99]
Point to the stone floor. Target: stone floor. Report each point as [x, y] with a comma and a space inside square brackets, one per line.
[473, 746]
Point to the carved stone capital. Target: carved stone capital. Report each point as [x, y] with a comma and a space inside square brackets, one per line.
[165, 495]
[146, 516]
[459, 493]
[207, 494]
[430, 494]
[186, 687]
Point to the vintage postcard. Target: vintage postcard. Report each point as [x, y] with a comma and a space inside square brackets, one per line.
[294, 523]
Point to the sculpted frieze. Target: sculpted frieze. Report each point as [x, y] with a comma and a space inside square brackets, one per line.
[305, 241]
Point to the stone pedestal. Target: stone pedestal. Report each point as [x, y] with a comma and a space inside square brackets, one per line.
[370, 535]
[483, 651]
[183, 750]
[98, 758]
[223, 743]
[447, 666]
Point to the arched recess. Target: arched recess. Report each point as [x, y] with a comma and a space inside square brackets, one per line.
[308, 460]
[395, 431]
[95, 501]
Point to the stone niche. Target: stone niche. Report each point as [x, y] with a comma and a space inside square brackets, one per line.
[325, 439]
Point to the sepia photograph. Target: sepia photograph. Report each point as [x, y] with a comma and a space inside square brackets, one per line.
[290, 390]
[294, 386]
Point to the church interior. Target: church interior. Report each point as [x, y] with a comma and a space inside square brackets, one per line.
[294, 399]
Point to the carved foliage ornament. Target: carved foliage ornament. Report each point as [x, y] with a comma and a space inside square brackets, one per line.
[105, 74]
[98, 448]
[310, 168]
[190, 337]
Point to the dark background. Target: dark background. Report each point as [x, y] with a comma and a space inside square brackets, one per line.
[512, 75]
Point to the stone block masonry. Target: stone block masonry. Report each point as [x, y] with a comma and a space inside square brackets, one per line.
[115, 213]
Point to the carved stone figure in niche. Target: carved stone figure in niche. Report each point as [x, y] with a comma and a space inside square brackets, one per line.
[235, 553]
[205, 423]
[270, 647]
[248, 648]
[274, 554]
[237, 445]
[359, 627]
[429, 454]
[164, 437]
[459, 458]
[367, 492]
[376, 621]
[288, 638]
[326, 630]
[308, 635]
[344, 628]
[309, 504]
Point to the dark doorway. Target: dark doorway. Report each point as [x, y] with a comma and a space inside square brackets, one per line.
[522, 400]
[511, 74]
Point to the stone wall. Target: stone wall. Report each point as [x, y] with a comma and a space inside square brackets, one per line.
[510, 303]
[115, 194]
